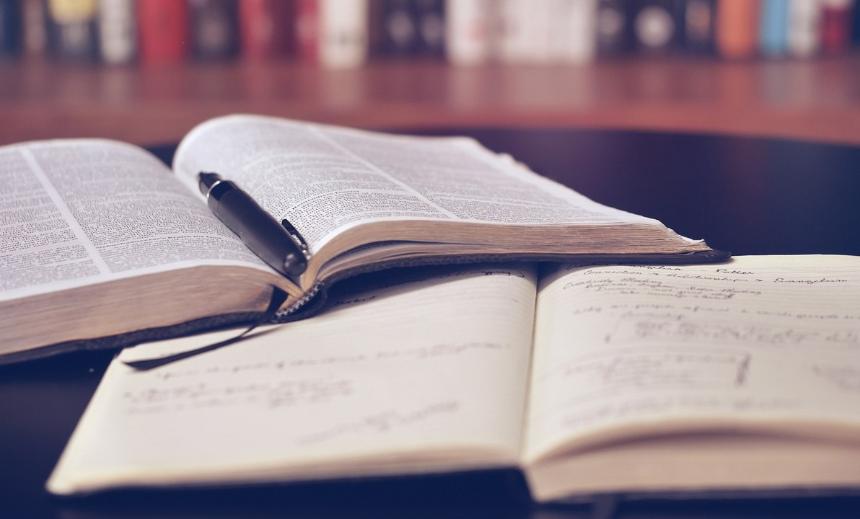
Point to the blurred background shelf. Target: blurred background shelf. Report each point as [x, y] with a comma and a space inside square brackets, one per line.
[802, 99]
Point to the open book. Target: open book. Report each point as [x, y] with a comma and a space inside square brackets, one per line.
[599, 379]
[102, 245]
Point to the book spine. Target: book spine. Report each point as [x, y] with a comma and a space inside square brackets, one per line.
[525, 31]
[468, 31]
[513, 39]
[213, 28]
[655, 26]
[836, 26]
[737, 28]
[162, 31]
[73, 32]
[612, 27]
[308, 30]
[572, 30]
[10, 24]
[430, 22]
[35, 38]
[855, 27]
[265, 28]
[117, 31]
[804, 18]
[343, 33]
[774, 27]
[699, 26]
[397, 23]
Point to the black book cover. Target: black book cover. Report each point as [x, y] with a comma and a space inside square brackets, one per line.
[430, 22]
[697, 27]
[398, 29]
[613, 27]
[214, 33]
[855, 26]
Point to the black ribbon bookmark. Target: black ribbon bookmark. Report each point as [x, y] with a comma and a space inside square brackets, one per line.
[277, 299]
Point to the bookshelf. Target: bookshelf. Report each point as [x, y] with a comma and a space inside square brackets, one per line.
[799, 99]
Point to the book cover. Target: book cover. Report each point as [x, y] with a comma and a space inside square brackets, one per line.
[162, 31]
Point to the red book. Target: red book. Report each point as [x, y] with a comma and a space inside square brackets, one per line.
[308, 30]
[836, 26]
[265, 27]
[163, 30]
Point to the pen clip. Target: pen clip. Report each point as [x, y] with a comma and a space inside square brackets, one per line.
[297, 238]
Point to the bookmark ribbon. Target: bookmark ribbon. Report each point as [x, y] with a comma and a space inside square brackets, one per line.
[275, 302]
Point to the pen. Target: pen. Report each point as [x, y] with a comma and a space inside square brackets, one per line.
[257, 229]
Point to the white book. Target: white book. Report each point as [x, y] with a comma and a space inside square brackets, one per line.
[573, 30]
[117, 31]
[343, 33]
[469, 31]
[804, 27]
[525, 31]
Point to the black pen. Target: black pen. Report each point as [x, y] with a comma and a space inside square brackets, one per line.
[258, 230]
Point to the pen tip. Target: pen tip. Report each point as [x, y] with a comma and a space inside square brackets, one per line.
[205, 181]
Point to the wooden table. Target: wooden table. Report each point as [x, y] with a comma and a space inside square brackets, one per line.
[807, 99]
[750, 196]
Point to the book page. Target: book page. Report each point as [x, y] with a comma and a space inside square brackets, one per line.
[419, 377]
[323, 179]
[763, 341]
[77, 212]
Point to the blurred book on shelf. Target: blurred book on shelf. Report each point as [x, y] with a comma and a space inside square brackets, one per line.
[73, 29]
[214, 33]
[10, 27]
[117, 31]
[163, 31]
[349, 33]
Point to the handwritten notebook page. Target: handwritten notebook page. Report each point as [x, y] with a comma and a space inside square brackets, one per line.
[425, 377]
[766, 343]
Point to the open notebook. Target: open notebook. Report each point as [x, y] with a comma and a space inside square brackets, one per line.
[628, 379]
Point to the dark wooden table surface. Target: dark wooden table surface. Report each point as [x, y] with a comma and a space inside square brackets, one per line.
[749, 196]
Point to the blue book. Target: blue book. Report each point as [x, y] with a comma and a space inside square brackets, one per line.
[10, 25]
[774, 27]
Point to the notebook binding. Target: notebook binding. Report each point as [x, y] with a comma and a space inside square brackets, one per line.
[305, 299]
